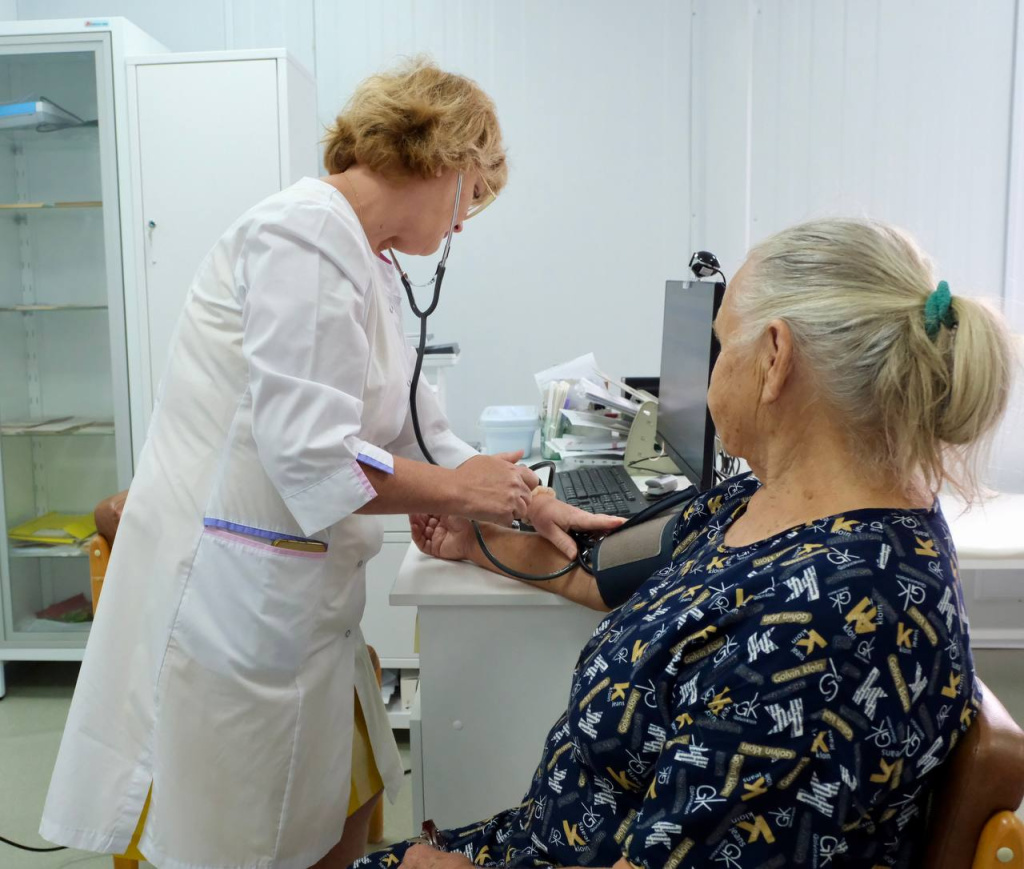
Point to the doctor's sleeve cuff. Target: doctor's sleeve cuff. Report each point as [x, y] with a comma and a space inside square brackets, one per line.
[330, 500]
[375, 457]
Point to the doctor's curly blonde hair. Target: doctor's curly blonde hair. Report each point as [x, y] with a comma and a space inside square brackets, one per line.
[415, 120]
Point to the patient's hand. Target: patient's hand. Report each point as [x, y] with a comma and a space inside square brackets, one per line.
[449, 537]
[553, 519]
[425, 857]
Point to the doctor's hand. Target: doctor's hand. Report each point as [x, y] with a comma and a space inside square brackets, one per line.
[425, 857]
[554, 519]
[529, 477]
[493, 488]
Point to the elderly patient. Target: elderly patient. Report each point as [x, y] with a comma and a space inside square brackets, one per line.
[785, 690]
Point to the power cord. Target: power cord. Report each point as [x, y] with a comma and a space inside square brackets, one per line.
[637, 465]
[21, 847]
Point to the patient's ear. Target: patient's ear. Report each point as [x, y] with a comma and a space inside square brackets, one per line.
[778, 360]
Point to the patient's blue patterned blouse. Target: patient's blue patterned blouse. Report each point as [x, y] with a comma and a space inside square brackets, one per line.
[780, 704]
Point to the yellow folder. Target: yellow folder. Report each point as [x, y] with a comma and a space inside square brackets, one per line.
[56, 528]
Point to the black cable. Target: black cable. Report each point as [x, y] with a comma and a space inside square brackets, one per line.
[516, 573]
[52, 128]
[30, 848]
[414, 386]
[637, 466]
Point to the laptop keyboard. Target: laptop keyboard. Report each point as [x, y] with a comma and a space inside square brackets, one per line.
[602, 489]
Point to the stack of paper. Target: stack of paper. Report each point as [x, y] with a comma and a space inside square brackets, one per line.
[388, 685]
[98, 426]
[600, 395]
[583, 367]
[57, 425]
[598, 419]
[26, 426]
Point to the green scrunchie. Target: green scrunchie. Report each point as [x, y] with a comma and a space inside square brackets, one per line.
[938, 310]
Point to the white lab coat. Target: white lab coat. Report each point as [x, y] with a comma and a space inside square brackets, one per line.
[220, 669]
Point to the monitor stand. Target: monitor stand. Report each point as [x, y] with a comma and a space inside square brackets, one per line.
[645, 454]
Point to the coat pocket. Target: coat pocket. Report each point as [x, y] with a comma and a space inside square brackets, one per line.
[249, 608]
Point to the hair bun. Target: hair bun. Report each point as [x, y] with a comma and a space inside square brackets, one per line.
[418, 121]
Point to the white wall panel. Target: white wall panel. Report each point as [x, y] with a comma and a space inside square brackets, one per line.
[196, 25]
[184, 25]
[272, 24]
[594, 101]
[720, 130]
[8, 10]
[1015, 220]
[861, 107]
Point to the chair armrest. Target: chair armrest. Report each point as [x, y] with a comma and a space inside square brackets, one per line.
[375, 660]
[99, 557]
[1001, 845]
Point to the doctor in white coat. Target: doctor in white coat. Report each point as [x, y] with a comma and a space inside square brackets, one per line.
[213, 720]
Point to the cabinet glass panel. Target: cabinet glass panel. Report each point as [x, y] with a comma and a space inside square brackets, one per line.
[57, 446]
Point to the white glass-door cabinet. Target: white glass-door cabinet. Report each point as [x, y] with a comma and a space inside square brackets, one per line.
[65, 434]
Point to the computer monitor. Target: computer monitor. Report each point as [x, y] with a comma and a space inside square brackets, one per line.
[688, 353]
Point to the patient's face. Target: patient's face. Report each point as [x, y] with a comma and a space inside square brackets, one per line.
[735, 382]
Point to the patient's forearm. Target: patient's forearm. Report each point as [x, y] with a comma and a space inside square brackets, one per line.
[531, 553]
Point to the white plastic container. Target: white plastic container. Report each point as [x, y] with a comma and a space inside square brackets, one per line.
[509, 427]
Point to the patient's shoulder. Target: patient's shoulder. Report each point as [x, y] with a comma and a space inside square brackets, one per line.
[697, 521]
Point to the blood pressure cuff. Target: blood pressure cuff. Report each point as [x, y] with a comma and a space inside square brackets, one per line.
[626, 559]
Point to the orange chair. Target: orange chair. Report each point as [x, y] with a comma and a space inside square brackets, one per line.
[108, 516]
[973, 824]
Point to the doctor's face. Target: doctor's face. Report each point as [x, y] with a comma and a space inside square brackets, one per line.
[435, 200]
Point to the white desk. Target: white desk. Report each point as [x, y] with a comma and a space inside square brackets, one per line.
[991, 535]
[496, 658]
[495, 664]
[990, 546]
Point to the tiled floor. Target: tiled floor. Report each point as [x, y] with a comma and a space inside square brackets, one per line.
[32, 718]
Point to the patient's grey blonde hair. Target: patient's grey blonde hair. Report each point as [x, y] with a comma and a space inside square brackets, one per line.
[853, 293]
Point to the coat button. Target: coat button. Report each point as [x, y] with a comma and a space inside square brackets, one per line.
[391, 308]
[348, 633]
[359, 563]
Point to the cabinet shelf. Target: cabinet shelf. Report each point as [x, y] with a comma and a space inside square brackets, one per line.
[48, 626]
[40, 307]
[398, 715]
[87, 433]
[70, 550]
[35, 207]
[64, 135]
[58, 428]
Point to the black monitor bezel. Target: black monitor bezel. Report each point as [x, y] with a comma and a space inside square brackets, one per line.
[707, 477]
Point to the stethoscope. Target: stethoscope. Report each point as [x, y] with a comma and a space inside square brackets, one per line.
[583, 542]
